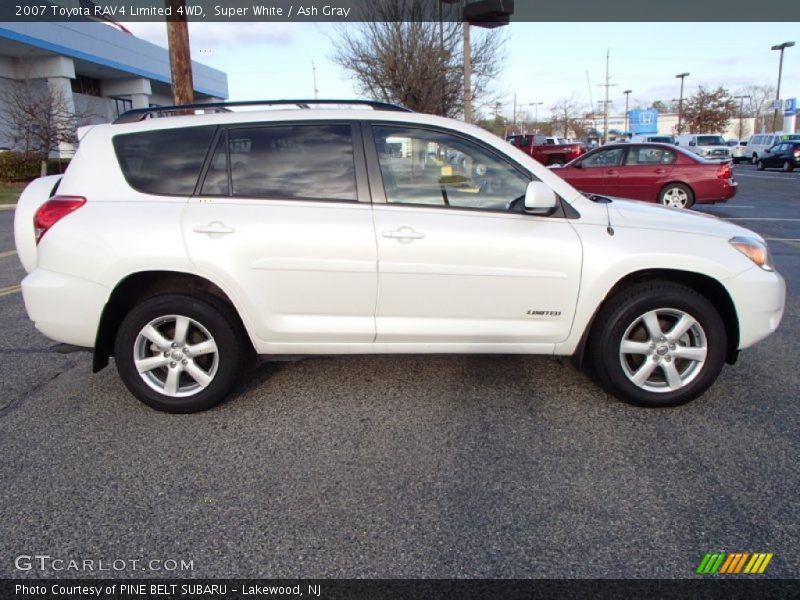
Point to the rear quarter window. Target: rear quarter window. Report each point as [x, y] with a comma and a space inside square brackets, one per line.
[163, 162]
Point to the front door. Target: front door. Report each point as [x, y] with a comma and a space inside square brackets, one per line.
[459, 262]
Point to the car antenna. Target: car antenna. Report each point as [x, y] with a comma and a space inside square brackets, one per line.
[609, 228]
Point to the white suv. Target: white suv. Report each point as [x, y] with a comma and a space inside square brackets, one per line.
[184, 245]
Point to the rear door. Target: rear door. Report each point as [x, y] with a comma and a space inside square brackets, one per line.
[457, 264]
[282, 218]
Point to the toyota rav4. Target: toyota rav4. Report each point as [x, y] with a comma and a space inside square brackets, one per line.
[184, 241]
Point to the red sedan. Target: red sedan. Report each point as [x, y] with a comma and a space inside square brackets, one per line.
[660, 173]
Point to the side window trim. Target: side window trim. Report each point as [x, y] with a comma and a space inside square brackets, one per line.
[376, 184]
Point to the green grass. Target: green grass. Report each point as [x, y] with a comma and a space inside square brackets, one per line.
[9, 192]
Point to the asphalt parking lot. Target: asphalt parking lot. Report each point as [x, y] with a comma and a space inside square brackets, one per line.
[407, 466]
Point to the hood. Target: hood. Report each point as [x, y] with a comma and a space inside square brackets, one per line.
[646, 215]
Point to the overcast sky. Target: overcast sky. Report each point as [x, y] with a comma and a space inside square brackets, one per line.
[544, 61]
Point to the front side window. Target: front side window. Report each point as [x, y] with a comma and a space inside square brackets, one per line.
[164, 161]
[312, 161]
[433, 168]
[611, 157]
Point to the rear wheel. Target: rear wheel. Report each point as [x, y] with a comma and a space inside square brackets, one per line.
[179, 354]
[676, 195]
[658, 345]
[760, 165]
[787, 166]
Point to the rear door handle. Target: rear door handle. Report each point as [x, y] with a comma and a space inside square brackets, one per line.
[214, 229]
[660, 171]
[403, 234]
[612, 172]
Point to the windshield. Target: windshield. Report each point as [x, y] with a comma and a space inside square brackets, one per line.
[710, 140]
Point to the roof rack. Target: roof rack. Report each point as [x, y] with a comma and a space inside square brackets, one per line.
[139, 114]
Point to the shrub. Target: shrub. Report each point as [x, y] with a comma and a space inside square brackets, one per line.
[16, 166]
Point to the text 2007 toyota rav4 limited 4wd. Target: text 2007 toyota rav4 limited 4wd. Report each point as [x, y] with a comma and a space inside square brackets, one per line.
[184, 245]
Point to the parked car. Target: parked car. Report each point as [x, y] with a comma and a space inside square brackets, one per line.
[183, 245]
[663, 139]
[738, 150]
[660, 173]
[784, 156]
[707, 145]
[547, 150]
[762, 141]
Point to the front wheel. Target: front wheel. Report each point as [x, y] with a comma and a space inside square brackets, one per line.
[658, 345]
[787, 166]
[676, 195]
[179, 354]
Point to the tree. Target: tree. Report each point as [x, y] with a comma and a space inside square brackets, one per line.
[566, 116]
[660, 106]
[759, 105]
[394, 56]
[38, 118]
[709, 110]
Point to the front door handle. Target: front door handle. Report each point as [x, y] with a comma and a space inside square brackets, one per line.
[214, 229]
[403, 234]
[612, 172]
[660, 171]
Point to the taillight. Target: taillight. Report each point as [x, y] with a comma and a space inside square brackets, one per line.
[797, 153]
[52, 211]
[725, 171]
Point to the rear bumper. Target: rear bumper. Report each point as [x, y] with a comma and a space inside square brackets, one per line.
[759, 297]
[64, 308]
[717, 192]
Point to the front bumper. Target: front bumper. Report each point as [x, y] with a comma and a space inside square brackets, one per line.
[759, 297]
[64, 308]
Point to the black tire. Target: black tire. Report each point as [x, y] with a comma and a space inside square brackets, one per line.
[754, 159]
[220, 369]
[678, 189]
[760, 165]
[787, 167]
[622, 317]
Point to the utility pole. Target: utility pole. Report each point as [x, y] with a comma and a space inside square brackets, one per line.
[536, 106]
[780, 47]
[314, 71]
[606, 102]
[681, 76]
[514, 117]
[627, 94]
[467, 75]
[180, 60]
[741, 110]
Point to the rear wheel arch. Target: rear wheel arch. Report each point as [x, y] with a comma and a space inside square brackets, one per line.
[707, 286]
[137, 287]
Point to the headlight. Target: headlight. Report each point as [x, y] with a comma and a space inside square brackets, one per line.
[755, 250]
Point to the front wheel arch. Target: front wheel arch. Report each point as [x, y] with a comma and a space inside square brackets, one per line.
[139, 286]
[707, 286]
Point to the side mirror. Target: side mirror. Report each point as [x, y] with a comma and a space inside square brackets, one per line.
[539, 198]
[767, 150]
[692, 144]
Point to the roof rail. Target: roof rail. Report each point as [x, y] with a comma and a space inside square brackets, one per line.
[139, 114]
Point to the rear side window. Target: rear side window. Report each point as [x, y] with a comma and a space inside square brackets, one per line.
[165, 162]
[284, 162]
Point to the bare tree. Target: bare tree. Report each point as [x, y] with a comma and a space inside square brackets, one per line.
[759, 106]
[397, 56]
[38, 118]
[566, 115]
[709, 110]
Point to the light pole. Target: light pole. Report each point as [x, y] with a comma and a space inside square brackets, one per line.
[536, 106]
[627, 94]
[780, 47]
[741, 110]
[681, 76]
